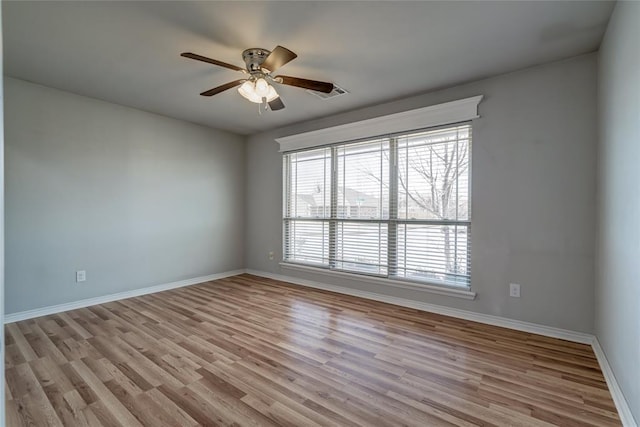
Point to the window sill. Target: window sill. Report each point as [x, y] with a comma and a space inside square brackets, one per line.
[426, 287]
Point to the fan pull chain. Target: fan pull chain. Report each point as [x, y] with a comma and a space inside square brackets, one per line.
[264, 102]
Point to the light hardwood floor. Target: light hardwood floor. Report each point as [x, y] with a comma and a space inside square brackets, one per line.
[252, 351]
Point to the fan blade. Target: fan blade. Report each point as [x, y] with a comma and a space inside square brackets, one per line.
[277, 58]
[304, 83]
[222, 88]
[211, 61]
[276, 104]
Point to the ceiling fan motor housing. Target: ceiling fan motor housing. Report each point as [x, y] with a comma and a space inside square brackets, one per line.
[254, 58]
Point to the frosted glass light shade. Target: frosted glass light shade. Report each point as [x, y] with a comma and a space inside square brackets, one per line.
[247, 90]
[271, 94]
[262, 88]
[256, 92]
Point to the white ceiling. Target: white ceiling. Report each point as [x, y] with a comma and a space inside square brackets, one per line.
[128, 52]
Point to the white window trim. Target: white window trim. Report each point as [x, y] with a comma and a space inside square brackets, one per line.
[420, 118]
[423, 287]
[406, 121]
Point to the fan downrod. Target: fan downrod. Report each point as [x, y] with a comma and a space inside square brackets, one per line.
[254, 58]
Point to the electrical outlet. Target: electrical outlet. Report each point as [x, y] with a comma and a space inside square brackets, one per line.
[271, 255]
[514, 290]
[81, 276]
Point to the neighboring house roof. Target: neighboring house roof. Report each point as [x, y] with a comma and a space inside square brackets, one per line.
[307, 199]
[350, 197]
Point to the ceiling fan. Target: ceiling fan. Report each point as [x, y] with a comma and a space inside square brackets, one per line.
[256, 86]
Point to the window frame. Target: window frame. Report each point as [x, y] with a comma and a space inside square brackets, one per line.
[392, 223]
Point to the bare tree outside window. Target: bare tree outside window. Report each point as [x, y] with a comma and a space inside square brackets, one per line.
[433, 184]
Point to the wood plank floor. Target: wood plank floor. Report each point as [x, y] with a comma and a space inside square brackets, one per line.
[253, 351]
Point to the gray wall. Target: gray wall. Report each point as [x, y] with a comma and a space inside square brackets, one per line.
[133, 198]
[2, 402]
[618, 248]
[534, 158]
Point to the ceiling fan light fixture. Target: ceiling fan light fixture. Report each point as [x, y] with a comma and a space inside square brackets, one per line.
[258, 91]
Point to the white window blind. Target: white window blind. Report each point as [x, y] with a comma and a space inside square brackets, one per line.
[396, 206]
[308, 205]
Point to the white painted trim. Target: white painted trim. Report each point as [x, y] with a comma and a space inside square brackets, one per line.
[620, 401]
[433, 289]
[420, 118]
[518, 325]
[59, 308]
[616, 392]
[618, 397]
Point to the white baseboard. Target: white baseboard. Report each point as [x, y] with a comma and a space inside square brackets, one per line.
[621, 404]
[59, 308]
[439, 309]
[618, 398]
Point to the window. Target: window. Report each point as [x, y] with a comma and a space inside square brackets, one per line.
[396, 206]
